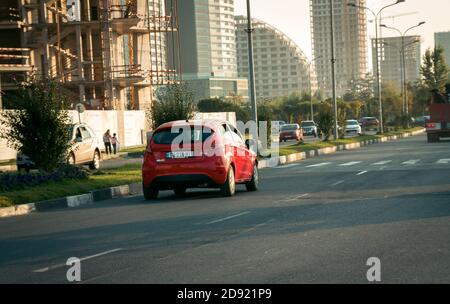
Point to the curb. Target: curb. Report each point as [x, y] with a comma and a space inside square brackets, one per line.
[136, 188]
[292, 158]
[73, 201]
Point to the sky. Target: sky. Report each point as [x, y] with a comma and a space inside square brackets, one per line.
[292, 18]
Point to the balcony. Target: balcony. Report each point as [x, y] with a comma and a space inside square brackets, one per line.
[124, 17]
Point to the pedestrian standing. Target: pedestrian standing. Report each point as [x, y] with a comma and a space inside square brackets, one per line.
[107, 142]
[114, 142]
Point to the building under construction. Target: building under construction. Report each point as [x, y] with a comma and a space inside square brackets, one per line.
[106, 54]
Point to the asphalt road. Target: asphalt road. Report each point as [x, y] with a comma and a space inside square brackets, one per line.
[317, 221]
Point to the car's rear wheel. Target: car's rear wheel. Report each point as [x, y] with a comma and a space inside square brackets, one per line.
[179, 191]
[229, 187]
[253, 184]
[150, 193]
[95, 164]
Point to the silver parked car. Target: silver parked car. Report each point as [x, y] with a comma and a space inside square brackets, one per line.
[84, 150]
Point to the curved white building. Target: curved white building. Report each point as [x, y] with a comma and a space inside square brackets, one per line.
[281, 67]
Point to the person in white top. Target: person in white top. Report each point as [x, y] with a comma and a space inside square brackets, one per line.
[114, 142]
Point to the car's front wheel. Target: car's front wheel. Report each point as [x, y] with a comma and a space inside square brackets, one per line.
[253, 184]
[71, 159]
[150, 193]
[229, 187]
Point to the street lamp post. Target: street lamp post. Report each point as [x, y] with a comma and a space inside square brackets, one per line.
[333, 70]
[403, 50]
[377, 17]
[251, 68]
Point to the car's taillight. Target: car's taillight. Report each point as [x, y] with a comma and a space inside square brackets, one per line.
[430, 125]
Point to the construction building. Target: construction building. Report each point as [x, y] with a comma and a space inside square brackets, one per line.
[391, 59]
[442, 39]
[106, 54]
[350, 36]
[281, 67]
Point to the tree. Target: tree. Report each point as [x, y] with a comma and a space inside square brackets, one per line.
[325, 119]
[173, 102]
[38, 127]
[219, 105]
[434, 69]
[342, 109]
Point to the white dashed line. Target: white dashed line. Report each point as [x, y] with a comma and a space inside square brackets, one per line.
[443, 161]
[294, 198]
[381, 163]
[227, 218]
[82, 259]
[318, 165]
[287, 166]
[361, 173]
[350, 164]
[337, 183]
[411, 162]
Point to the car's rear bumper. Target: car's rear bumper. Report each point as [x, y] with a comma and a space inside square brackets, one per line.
[209, 173]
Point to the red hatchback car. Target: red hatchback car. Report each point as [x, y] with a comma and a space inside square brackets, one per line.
[198, 154]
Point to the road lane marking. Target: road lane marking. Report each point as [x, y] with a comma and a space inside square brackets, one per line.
[227, 218]
[45, 269]
[361, 173]
[293, 198]
[443, 161]
[287, 166]
[318, 165]
[350, 164]
[338, 183]
[411, 162]
[381, 163]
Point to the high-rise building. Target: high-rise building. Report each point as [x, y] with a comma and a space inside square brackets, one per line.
[392, 62]
[350, 34]
[208, 48]
[442, 39]
[281, 67]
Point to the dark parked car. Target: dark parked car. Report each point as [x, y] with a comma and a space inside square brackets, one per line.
[292, 131]
[369, 123]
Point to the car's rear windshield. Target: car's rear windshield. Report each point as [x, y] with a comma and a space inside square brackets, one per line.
[308, 124]
[167, 136]
[352, 122]
[289, 128]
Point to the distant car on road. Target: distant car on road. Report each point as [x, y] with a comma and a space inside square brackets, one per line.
[212, 155]
[369, 123]
[309, 128]
[84, 150]
[352, 127]
[291, 131]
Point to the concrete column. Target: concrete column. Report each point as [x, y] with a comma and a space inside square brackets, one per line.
[79, 43]
[44, 37]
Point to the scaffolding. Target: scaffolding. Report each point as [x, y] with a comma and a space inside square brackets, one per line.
[107, 54]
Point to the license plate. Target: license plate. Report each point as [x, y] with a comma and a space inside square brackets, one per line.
[179, 154]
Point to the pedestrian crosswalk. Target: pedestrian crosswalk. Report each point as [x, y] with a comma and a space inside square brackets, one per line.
[380, 164]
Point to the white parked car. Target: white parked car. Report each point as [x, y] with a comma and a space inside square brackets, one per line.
[352, 127]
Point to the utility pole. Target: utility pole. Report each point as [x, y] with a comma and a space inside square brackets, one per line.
[333, 70]
[251, 68]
